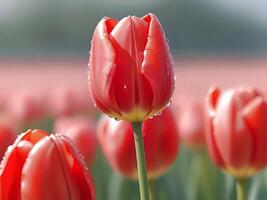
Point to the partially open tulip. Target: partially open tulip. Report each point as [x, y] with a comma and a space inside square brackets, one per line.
[81, 130]
[237, 130]
[130, 68]
[7, 135]
[38, 166]
[190, 118]
[160, 140]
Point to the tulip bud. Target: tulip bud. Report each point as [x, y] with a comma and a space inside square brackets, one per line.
[190, 116]
[82, 132]
[38, 166]
[130, 68]
[160, 140]
[237, 128]
[7, 136]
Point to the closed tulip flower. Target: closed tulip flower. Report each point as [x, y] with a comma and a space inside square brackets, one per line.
[160, 140]
[81, 130]
[237, 130]
[191, 117]
[7, 135]
[38, 166]
[130, 68]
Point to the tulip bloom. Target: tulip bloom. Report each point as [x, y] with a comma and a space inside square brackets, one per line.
[7, 136]
[38, 166]
[130, 68]
[237, 130]
[160, 140]
[190, 116]
[82, 132]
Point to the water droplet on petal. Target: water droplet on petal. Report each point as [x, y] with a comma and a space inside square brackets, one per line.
[117, 119]
[169, 103]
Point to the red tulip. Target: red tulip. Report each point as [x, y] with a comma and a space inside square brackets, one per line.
[7, 136]
[160, 140]
[82, 132]
[38, 166]
[131, 75]
[191, 124]
[237, 130]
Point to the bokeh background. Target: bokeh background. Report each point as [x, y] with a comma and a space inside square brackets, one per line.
[56, 27]
[44, 49]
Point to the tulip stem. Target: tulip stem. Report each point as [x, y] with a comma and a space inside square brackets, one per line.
[141, 161]
[151, 183]
[241, 192]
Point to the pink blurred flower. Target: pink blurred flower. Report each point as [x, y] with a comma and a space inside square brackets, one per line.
[7, 134]
[81, 131]
[66, 101]
[25, 106]
[191, 123]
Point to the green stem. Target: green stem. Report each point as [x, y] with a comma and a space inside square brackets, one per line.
[141, 161]
[151, 183]
[241, 192]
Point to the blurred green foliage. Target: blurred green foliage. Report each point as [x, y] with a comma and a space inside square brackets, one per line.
[56, 27]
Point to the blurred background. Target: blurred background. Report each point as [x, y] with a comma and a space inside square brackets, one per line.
[194, 28]
[44, 49]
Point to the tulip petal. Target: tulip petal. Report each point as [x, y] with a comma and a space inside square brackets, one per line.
[130, 34]
[52, 171]
[102, 64]
[119, 149]
[214, 94]
[157, 64]
[129, 38]
[160, 137]
[7, 137]
[13, 161]
[212, 145]
[161, 142]
[232, 136]
[255, 115]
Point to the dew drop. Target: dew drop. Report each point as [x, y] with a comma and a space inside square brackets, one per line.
[167, 41]
[113, 118]
[158, 114]
[169, 103]
[124, 86]
[168, 72]
[117, 119]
